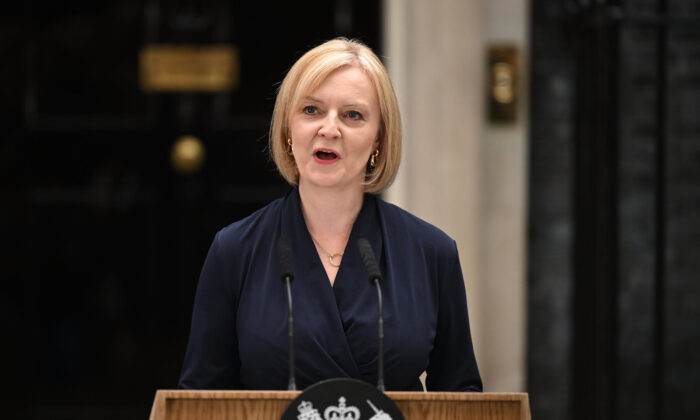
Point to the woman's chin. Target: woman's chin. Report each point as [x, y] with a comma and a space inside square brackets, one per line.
[330, 181]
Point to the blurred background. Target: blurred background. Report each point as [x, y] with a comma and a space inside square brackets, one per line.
[558, 141]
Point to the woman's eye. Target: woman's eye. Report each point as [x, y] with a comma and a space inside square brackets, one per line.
[354, 115]
[310, 110]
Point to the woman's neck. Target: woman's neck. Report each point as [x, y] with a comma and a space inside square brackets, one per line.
[330, 212]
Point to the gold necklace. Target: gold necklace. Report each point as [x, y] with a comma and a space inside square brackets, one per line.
[330, 255]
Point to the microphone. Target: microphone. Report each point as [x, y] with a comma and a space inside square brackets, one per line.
[286, 266]
[375, 277]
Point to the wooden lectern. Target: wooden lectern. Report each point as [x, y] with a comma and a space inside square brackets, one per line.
[263, 405]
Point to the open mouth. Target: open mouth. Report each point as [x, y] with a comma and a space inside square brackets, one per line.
[326, 155]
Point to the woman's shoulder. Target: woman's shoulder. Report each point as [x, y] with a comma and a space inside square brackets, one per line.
[260, 224]
[398, 220]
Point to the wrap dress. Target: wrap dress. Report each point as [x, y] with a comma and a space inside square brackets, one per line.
[238, 337]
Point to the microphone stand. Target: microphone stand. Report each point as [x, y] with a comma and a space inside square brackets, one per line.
[290, 333]
[375, 277]
[380, 338]
[286, 266]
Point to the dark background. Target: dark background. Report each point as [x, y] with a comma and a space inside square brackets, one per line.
[102, 240]
[614, 210]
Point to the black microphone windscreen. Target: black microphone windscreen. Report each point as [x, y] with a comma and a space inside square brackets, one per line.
[368, 260]
[284, 257]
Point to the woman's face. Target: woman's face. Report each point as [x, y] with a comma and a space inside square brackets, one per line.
[334, 129]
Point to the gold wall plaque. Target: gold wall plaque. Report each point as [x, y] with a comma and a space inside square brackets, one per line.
[503, 73]
[176, 68]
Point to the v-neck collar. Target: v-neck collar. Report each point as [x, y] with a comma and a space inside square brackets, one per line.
[306, 258]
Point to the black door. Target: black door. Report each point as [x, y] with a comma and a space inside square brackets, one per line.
[102, 238]
[614, 296]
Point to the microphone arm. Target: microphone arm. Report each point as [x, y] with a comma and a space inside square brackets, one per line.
[375, 277]
[286, 266]
[380, 339]
[292, 386]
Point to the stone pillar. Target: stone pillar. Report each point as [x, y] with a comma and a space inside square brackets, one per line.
[503, 214]
[459, 174]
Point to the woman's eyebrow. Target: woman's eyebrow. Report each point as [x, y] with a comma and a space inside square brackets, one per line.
[313, 99]
[357, 104]
[349, 104]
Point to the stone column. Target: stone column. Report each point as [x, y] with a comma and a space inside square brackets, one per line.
[457, 172]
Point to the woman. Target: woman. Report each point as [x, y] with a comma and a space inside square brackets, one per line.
[336, 137]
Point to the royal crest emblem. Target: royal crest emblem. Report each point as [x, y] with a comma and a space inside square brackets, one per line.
[342, 399]
[307, 411]
[378, 414]
[341, 411]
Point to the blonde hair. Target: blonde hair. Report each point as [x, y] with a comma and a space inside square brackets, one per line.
[309, 72]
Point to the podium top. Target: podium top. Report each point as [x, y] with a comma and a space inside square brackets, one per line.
[194, 405]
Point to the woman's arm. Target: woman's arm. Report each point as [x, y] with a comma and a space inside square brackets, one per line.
[211, 359]
[452, 365]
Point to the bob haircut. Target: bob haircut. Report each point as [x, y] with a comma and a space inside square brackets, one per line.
[309, 72]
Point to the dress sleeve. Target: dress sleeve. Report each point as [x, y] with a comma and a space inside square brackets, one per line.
[452, 365]
[211, 359]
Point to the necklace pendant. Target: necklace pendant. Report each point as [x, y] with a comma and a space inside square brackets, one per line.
[331, 256]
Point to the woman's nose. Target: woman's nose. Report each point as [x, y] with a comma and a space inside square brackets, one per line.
[329, 127]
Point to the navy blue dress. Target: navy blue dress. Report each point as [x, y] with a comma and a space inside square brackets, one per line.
[238, 337]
